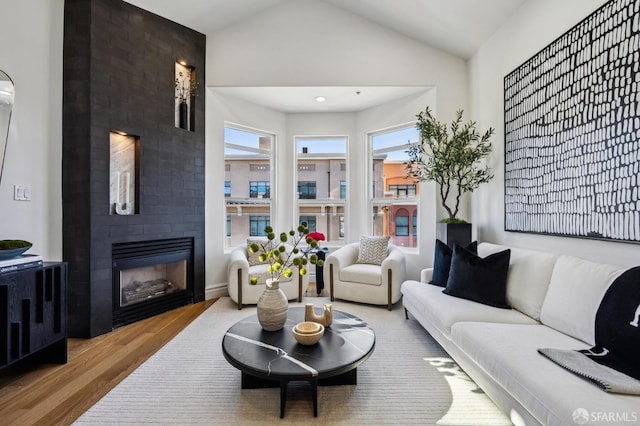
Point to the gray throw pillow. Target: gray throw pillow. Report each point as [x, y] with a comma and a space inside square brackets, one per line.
[373, 250]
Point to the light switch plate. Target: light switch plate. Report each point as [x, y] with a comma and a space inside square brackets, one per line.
[21, 193]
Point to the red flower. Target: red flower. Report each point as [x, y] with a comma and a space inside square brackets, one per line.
[318, 236]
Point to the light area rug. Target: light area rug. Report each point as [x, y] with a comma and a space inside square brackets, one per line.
[409, 379]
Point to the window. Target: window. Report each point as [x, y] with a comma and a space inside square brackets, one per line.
[248, 170]
[394, 198]
[414, 230]
[402, 226]
[257, 225]
[307, 190]
[321, 184]
[403, 190]
[260, 189]
[311, 222]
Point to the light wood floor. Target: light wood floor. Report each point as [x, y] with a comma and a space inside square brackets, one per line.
[54, 394]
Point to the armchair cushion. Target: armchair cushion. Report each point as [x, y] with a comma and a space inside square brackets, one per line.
[361, 273]
[364, 282]
[373, 250]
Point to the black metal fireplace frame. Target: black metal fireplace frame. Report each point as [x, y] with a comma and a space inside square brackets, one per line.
[146, 253]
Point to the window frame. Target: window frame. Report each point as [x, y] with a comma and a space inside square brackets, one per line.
[261, 154]
[266, 220]
[258, 184]
[383, 201]
[331, 210]
[308, 184]
[403, 226]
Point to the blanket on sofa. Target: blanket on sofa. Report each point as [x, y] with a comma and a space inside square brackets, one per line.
[613, 363]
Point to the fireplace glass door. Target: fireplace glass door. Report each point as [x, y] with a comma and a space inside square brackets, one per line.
[151, 277]
[148, 282]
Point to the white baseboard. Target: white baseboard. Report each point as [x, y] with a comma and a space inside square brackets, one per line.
[215, 291]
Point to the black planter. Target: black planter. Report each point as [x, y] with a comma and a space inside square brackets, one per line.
[454, 233]
[182, 115]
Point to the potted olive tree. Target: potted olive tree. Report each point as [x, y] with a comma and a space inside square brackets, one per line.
[452, 161]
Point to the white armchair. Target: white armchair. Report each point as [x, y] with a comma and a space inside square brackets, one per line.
[243, 292]
[361, 282]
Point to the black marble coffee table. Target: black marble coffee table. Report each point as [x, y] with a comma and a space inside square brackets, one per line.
[275, 358]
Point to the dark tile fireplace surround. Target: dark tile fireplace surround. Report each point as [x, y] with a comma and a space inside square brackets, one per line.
[119, 76]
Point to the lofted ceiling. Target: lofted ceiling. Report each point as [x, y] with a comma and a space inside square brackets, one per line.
[459, 27]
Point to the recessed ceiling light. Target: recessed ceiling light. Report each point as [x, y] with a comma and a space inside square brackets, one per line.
[182, 62]
[320, 99]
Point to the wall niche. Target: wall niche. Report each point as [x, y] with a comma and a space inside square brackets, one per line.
[186, 84]
[124, 175]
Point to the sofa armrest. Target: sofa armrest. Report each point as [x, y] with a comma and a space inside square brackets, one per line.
[426, 275]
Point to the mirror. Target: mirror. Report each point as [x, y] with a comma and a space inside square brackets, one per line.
[7, 95]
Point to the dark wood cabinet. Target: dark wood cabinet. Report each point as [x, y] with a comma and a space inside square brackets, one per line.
[33, 314]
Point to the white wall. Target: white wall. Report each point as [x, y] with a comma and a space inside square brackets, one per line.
[312, 43]
[31, 37]
[516, 41]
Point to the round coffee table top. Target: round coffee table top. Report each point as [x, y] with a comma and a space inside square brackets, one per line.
[276, 355]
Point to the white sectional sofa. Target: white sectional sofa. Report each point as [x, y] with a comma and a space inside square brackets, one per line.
[555, 299]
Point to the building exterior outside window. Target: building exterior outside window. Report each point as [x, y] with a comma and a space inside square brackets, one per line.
[402, 226]
[311, 222]
[260, 189]
[414, 229]
[257, 225]
[394, 198]
[321, 184]
[307, 190]
[248, 169]
[403, 190]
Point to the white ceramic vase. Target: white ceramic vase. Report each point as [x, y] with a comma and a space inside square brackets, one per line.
[272, 307]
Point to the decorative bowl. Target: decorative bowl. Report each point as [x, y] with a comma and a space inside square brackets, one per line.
[304, 334]
[307, 327]
[17, 247]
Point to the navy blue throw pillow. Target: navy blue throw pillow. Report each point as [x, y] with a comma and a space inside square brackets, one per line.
[482, 280]
[442, 262]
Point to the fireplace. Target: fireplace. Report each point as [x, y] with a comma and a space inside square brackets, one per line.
[151, 277]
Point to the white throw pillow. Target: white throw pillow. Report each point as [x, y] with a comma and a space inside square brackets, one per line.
[576, 289]
[528, 277]
[373, 250]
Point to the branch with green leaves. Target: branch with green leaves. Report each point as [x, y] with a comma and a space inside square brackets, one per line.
[282, 258]
[449, 159]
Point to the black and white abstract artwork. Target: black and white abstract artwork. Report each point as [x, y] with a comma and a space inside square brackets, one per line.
[572, 131]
